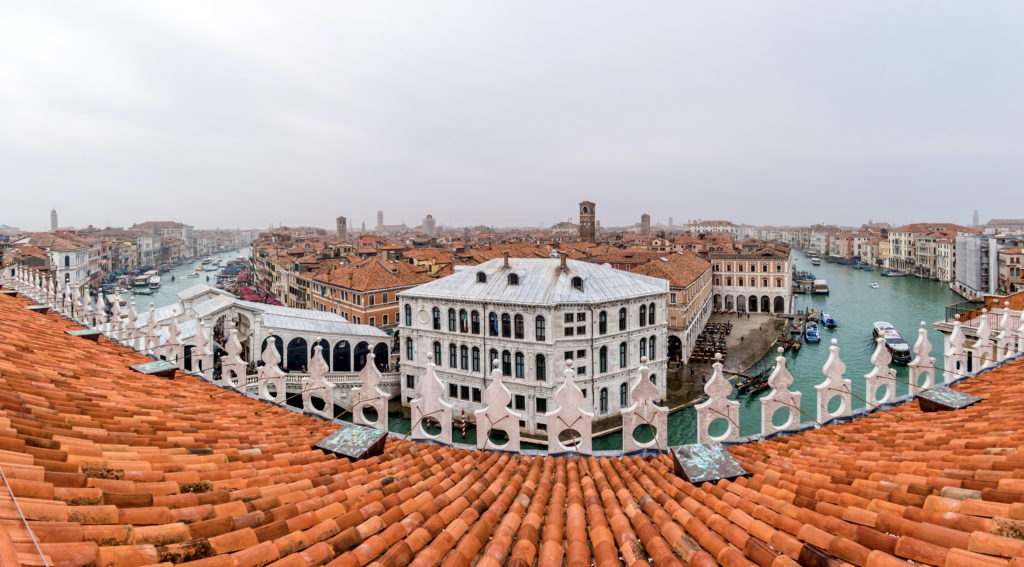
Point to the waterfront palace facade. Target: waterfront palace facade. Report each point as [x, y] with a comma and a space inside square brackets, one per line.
[755, 279]
[532, 314]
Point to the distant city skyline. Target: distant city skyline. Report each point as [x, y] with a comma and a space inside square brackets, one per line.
[784, 113]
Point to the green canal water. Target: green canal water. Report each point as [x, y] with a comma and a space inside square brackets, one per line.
[167, 293]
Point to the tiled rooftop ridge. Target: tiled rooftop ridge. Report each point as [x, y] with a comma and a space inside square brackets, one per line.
[114, 467]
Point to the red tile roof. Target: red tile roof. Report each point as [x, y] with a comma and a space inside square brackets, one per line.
[115, 468]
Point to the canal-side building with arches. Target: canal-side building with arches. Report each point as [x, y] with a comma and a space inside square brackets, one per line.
[757, 280]
[689, 298]
[531, 315]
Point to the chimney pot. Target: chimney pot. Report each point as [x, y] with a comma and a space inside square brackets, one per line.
[562, 255]
[506, 258]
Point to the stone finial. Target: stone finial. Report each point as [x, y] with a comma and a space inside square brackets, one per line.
[116, 327]
[316, 384]
[643, 411]
[431, 405]
[101, 313]
[86, 309]
[369, 394]
[984, 347]
[131, 327]
[570, 416]
[173, 350]
[955, 357]
[232, 367]
[780, 397]
[833, 386]
[881, 375]
[270, 374]
[496, 416]
[1020, 334]
[150, 338]
[202, 354]
[1005, 341]
[718, 406]
[923, 364]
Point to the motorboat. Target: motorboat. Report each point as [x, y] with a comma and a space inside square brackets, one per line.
[893, 274]
[154, 282]
[821, 286]
[811, 332]
[816, 261]
[192, 275]
[875, 285]
[898, 348]
[828, 320]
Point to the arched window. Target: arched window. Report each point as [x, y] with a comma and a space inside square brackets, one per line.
[622, 319]
[739, 282]
[602, 359]
[437, 319]
[493, 357]
[451, 320]
[650, 314]
[764, 267]
[650, 349]
[540, 328]
[623, 395]
[520, 332]
[492, 324]
[506, 325]
[437, 353]
[778, 282]
[481, 277]
[463, 321]
[604, 400]
[408, 315]
[654, 379]
[728, 280]
[464, 357]
[577, 282]
[622, 355]
[542, 372]
[506, 363]
[643, 348]
[476, 359]
[474, 319]
[520, 365]
[513, 279]
[643, 315]
[408, 348]
[451, 356]
[602, 323]
[67, 261]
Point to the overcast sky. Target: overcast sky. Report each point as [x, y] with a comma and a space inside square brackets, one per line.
[509, 113]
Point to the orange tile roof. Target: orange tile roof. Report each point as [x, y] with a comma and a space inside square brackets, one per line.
[680, 269]
[115, 468]
[370, 274]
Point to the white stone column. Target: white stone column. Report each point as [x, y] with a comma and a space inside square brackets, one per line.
[431, 405]
[370, 394]
[718, 405]
[644, 411]
[923, 364]
[834, 385]
[570, 415]
[955, 359]
[881, 375]
[780, 397]
[496, 415]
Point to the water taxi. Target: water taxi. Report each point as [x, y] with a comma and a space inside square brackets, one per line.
[154, 282]
[898, 348]
[193, 275]
[828, 320]
[893, 274]
[816, 261]
[820, 286]
[875, 285]
[811, 332]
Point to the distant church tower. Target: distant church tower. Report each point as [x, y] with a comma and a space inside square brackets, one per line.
[977, 221]
[380, 220]
[587, 220]
[53, 219]
[342, 228]
[645, 224]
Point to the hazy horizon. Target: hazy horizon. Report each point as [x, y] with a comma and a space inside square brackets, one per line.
[250, 114]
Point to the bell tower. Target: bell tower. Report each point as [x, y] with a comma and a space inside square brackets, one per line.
[587, 222]
[342, 224]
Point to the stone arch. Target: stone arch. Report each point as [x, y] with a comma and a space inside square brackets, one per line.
[362, 349]
[718, 302]
[280, 349]
[380, 356]
[342, 357]
[297, 355]
[675, 348]
[766, 304]
[780, 305]
[729, 303]
[752, 304]
[741, 302]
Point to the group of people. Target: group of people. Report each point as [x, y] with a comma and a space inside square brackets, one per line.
[711, 341]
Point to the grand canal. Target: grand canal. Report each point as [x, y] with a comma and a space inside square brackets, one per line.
[174, 281]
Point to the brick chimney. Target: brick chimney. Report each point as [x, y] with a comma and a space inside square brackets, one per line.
[506, 258]
[562, 265]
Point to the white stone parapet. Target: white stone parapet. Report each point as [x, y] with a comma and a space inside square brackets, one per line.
[570, 416]
[643, 411]
[202, 353]
[923, 364]
[316, 385]
[496, 415]
[833, 386]
[270, 374]
[881, 375]
[430, 405]
[955, 359]
[718, 405]
[370, 395]
[984, 348]
[232, 367]
[780, 397]
[1005, 341]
